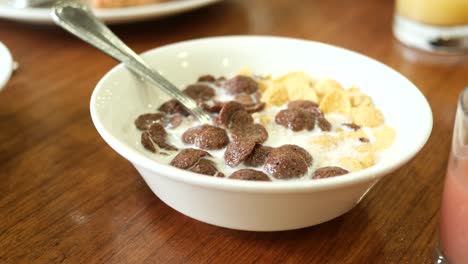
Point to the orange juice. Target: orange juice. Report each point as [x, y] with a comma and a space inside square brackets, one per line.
[434, 12]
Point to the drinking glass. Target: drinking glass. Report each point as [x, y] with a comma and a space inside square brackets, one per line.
[434, 25]
[453, 229]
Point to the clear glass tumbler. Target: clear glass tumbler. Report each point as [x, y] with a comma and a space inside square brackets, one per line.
[453, 229]
[434, 25]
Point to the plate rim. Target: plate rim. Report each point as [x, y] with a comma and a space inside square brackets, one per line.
[111, 15]
[5, 76]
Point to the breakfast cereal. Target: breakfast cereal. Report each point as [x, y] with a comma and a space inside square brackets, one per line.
[269, 129]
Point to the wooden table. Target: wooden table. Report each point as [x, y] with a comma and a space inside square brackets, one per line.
[65, 196]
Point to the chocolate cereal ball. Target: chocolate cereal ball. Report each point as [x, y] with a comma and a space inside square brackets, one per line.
[327, 172]
[206, 137]
[240, 84]
[249, 175]
[287, 162]
[296, 119]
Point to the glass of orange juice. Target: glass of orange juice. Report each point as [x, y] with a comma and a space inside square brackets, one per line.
[435, 25]
[453, 228]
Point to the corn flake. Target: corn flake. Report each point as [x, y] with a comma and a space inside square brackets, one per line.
[276, 94]
[367, 160]
[358, 98]
[298, 86]
[245, 72]
[264, 84]
[325, 141]
[336, 102]
[368, 116]
[351, 164]
[353, 135]
[294, 78]
[369, 147]
[384, 137]
[325, 86]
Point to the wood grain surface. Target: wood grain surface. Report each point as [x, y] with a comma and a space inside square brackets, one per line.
[65, 196]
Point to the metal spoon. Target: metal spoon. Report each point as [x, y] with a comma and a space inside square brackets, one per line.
[78, 19]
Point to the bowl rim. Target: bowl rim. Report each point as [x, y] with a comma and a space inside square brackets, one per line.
[369, 174]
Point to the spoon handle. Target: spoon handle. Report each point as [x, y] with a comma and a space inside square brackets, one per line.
[78, 19]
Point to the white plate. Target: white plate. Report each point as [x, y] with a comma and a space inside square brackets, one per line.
[6, 65]
[110, 16]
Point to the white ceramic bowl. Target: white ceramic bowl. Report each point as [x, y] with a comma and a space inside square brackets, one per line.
[261, 206]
